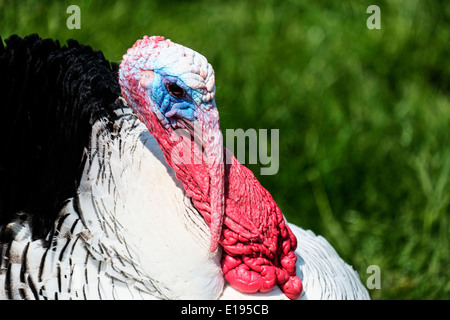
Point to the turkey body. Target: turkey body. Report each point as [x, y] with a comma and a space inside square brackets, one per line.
[89, 208]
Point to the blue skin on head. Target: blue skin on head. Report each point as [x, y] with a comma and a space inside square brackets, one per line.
[184, 106]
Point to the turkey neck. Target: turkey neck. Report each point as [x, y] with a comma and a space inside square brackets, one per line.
[195, 151]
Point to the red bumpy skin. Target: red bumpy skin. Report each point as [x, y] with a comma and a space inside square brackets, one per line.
[258, 245]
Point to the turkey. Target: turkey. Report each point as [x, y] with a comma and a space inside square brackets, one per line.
[115, 185]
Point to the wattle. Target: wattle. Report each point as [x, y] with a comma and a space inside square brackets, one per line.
[258, 245]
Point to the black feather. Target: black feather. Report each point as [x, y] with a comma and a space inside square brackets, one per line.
[49, 98]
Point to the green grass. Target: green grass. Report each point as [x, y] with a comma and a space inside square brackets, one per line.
[364, 115]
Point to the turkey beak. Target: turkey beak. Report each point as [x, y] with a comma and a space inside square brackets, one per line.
[214, 159]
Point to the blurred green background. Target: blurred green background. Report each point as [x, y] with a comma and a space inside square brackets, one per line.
[363, 114]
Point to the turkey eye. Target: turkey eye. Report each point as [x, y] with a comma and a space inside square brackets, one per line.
[175, 90]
